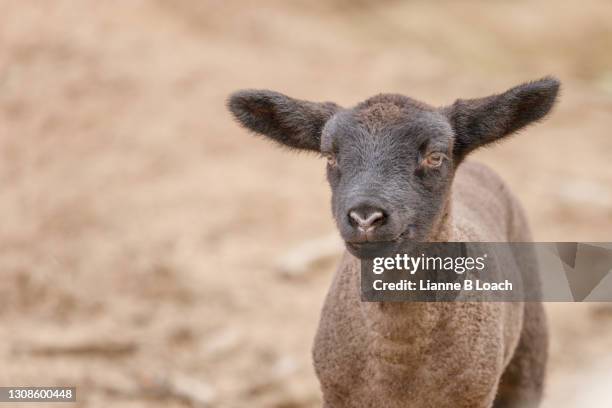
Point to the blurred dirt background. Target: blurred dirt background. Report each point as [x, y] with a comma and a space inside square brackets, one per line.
[141, 230]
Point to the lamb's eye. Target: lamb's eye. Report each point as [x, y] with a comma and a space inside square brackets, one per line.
[434, 159]
[331, 160]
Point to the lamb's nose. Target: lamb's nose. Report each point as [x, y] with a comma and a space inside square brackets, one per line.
[366, 218]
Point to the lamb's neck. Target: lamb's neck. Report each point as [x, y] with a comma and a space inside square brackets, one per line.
[443, 229]
[391, 319]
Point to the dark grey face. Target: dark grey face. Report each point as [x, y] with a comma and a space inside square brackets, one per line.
[391, 159]
[389, 180]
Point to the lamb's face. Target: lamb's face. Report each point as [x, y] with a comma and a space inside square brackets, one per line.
[391, 159]
[390, 167]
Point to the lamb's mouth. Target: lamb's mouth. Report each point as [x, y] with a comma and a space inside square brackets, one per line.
[372, 249]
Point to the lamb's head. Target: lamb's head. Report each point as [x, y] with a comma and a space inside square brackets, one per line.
[391, 159]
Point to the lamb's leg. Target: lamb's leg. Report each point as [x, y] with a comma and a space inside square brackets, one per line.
[522, 383]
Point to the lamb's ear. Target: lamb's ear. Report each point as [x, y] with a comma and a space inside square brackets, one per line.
[477, 122]
[292, 122]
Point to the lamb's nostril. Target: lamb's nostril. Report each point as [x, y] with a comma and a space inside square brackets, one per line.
[366, 221]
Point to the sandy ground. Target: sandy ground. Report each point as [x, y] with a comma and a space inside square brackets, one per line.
[140, 227]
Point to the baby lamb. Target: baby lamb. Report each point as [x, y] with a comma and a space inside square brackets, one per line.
[398, 172]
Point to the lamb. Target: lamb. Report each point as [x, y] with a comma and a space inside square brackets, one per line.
[398, 172]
